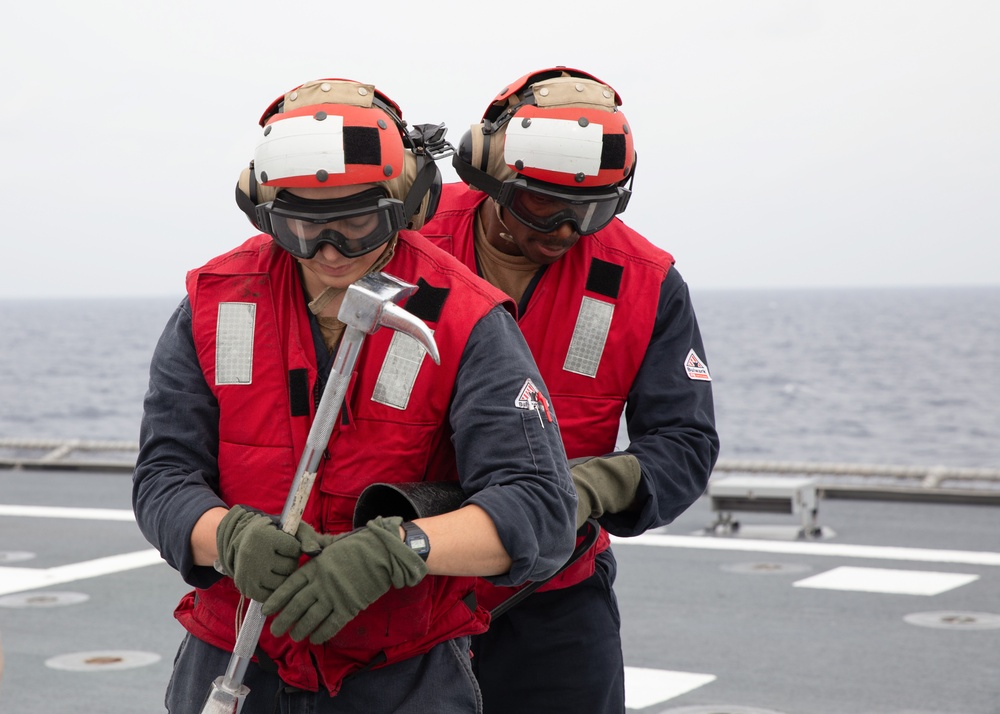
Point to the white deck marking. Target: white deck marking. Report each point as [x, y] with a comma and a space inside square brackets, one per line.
[926, 555]
[91, 514]
[14, 580]
[881, 580]
[646, 687]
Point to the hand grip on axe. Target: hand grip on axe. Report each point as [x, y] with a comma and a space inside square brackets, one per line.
[368, 304]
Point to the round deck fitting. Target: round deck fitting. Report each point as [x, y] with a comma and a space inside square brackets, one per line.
[102, 660]
[42, 599]
[952, 620]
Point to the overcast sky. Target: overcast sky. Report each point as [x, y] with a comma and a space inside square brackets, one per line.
[781, 143]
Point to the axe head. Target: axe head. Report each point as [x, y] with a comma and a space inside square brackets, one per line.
[372, 302]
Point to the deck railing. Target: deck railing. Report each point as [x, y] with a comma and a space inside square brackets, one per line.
[836, 480]
[68, 454]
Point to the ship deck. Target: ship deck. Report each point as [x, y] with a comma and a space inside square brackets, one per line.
[892, 607]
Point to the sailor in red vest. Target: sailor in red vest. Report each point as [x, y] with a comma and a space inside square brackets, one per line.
[612, 328]
[379, 619]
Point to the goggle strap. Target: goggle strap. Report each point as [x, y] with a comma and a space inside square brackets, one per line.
[248, 207]
[426, 174]
[474, 177]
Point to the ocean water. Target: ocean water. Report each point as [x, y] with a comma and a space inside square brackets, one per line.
[77, 369]
[875, 376]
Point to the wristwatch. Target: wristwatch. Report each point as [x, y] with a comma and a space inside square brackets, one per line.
[416, 540]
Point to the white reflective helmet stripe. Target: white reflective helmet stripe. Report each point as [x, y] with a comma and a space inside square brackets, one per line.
[555, 145]
[301, 146]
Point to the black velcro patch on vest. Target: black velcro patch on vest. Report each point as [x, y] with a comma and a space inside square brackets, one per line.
[613, 151]
[362, 145]
[604, 278]
[427, 302]
[298, 391]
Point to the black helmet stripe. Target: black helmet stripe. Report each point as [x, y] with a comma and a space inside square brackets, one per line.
[362, 145]
[613, 151]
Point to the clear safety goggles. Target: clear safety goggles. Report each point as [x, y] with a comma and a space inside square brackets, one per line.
[354, 225]
[544, 207]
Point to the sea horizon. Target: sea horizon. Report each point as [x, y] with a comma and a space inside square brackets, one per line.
[890, 375]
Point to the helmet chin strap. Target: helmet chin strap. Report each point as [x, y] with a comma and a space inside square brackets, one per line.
[506, 236]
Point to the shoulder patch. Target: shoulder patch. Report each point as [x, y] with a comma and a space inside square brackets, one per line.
[526, 397]
[530, 397]
[696, 368]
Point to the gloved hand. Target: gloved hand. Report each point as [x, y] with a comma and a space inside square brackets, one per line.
[257, 554]
[604, 484]
[350, 574]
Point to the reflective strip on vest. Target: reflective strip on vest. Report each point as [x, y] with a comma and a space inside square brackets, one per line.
[234, 342]
[399, 371]
[589, 335]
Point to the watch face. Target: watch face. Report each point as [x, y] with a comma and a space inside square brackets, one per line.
[417, 540]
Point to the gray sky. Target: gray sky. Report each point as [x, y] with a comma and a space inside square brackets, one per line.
[781, 143]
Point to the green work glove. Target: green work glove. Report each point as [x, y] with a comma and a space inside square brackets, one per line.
[257, 554]
[351, 573]
[604, 484]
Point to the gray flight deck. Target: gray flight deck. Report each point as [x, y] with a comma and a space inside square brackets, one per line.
[892, 607]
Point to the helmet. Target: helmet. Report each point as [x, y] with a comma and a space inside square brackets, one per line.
[330, 133]
[337, 132]
[557, 133]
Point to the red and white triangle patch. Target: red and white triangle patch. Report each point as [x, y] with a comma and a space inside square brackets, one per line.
[526, 397]
[695, 368]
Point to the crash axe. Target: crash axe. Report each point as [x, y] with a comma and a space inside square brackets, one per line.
[369, 303]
